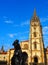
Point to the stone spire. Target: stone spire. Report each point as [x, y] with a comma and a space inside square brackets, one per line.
[35, 17]
[2, 49]
[34, 13]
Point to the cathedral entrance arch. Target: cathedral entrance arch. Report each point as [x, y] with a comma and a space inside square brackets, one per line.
[35, 60]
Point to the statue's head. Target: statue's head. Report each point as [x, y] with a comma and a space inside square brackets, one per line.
[15, 42]
[16, 45]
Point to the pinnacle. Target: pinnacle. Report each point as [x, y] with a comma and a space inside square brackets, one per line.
[34, 12]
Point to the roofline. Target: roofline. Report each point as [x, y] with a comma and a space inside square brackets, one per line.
[25, 41]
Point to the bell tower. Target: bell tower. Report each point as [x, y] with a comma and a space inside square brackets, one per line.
[36, 44]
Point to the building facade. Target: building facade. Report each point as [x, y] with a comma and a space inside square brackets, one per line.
[34, 47]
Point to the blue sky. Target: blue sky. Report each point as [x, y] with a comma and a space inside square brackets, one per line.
[15, 18]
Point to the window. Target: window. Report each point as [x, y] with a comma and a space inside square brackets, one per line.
[26, 46]
[34, 34]
[34, 28]
[35, 45]
[4, 57]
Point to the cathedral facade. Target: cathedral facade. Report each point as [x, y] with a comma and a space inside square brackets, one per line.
[34, 47]
[37, 54]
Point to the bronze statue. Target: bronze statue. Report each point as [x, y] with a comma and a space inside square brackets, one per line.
[19, 57]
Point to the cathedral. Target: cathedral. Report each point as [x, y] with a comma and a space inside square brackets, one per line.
[34, 47]
[37, 54]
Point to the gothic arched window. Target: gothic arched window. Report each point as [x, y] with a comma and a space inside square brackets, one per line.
[34, 34]
[35, 45]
